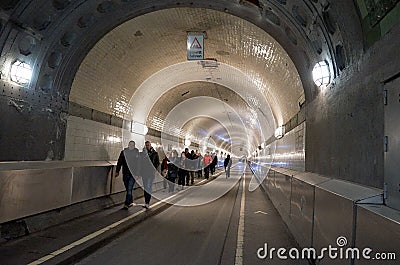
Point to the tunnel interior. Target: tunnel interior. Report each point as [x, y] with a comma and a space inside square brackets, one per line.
[102, 73]
[247, 82]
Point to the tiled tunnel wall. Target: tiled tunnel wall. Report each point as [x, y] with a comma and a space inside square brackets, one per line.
[91, 140]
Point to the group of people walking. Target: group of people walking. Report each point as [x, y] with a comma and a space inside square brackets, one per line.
[185, 167]
[146, 163]
[134, 164]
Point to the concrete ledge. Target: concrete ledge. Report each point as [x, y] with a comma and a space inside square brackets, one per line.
[335, 213]
[318, 209]
[21, 165]
[302, 207]
[31, 189]
[31, 224]
[378, 228]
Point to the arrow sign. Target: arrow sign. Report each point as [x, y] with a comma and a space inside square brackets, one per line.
[261, 212]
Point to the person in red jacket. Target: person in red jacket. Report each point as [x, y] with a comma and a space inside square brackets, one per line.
[207, 161]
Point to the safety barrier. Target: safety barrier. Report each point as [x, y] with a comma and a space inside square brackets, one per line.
[319, 210]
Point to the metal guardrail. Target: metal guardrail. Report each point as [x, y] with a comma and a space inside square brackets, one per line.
[29, 188]
[318, 210]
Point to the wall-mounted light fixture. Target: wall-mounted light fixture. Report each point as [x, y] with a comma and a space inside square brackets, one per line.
[279, 132]
[187, 142]
[21, 72]
[321, 74]
[139, 128]
[114, 139]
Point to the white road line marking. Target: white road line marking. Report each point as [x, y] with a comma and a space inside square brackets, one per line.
[261, 212]
[91, 236]
[240, 237]
[204, 180]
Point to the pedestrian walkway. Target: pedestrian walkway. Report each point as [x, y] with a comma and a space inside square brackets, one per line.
[211, 190]
[263, 225]
[229, 224]
[35, 246]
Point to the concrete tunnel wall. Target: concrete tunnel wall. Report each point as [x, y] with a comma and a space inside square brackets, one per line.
[344, 136]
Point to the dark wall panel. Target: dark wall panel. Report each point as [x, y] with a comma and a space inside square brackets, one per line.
[32, 125]
[345, 122]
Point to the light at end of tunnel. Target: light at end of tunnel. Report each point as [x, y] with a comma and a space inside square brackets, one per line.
[21, 72]
[279, 132]
[321, 74]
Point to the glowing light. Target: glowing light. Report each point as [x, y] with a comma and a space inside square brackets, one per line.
[139, 128]
[321, 74]
[114, 139]
[187, 142]
[279, 132]
[21, 72]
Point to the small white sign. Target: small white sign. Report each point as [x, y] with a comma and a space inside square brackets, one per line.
[195, 46]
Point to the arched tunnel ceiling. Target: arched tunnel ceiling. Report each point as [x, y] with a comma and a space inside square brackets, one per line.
[210, 131]
[127, 56]
[202, 109]
[186, 72]
[164, 105]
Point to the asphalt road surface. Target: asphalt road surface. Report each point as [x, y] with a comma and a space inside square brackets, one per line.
[227, 230]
